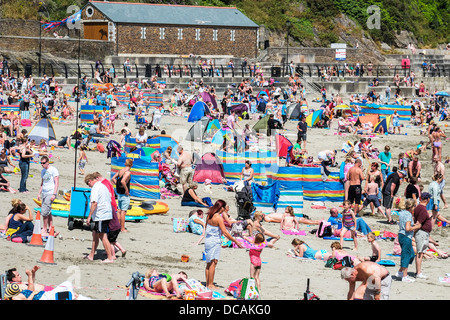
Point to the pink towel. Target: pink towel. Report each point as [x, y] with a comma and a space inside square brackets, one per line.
[297, 233]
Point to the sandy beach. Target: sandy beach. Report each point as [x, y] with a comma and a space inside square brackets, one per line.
[152, 243]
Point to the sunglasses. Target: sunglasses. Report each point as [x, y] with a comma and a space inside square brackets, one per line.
[44, 162]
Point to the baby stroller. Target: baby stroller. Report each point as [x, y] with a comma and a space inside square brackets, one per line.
[167, 176]
[244, 201]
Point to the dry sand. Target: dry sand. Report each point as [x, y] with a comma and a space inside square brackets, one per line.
[152, 243]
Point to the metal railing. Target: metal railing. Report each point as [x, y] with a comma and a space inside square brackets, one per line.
[314, 71]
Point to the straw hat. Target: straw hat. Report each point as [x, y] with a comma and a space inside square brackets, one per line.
[12, 290]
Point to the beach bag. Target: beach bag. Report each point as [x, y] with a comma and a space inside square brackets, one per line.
[337, 266]
[249, 291]
[180, 225]
[196, 288]
[347, 262]
[331, 262]
[208, 201]
[324, 229]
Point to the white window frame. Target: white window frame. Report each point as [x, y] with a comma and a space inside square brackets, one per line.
[215, 34]
[197, 34]
[143, 33]
[232, 35]
[162, 33]
[180, 33]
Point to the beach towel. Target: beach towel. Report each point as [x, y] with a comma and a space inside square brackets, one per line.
[266, 194]
[295, 232]
[386, 262]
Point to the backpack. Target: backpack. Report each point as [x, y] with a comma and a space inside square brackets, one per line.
[324, 229]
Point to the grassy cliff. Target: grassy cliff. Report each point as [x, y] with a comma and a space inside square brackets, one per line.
[313, 22]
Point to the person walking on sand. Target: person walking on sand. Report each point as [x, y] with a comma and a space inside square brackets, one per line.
[101, 214]
[47, 193]
[122, 181]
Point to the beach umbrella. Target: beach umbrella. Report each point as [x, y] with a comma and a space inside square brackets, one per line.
[442, 94]
[314, 117]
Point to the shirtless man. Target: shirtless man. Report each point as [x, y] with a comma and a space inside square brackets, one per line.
[355, 176]
[439, 168]
[185, 166]
[13, 276]
[375, 281]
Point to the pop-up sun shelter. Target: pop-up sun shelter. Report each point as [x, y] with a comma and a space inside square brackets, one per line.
[384, 123]
[205, 128]
[198, 111]
[43, 129]
[209, 167]
[313, 118]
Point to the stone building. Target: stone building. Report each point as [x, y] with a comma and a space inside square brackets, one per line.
[137, 28]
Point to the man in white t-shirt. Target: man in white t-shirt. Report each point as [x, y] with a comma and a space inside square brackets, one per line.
[101, 214]
[47, 193]
[141, 138]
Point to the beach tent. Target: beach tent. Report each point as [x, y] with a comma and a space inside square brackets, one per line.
[313, 118]
[222, 134]
[209, 167]
[198, 129]
[207, 97]
[373, 119]
[385, 123]
[144, 182]
[261, 125]
[442, 94]
[198, 111]
[43, 129]
[296, 112]
[240, 109]
[212, 127]
[282, 144]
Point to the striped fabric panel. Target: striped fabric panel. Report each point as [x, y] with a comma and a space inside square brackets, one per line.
[293, 198]
[144, 177]
[404, 111]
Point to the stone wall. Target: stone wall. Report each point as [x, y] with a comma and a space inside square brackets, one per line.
[61, 48]
[30, 28]
[130, 41]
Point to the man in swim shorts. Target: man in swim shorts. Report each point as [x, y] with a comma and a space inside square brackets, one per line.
[185, 166]
[355, 176]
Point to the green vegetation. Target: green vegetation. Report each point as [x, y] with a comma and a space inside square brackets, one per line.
[428, 20]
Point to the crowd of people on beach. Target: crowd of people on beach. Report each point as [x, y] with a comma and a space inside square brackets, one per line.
[370, 177]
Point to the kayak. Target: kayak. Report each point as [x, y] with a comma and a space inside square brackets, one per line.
[137, 207]
[65, 214]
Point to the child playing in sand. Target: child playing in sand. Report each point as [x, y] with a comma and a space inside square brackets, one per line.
[288, 221]
[376, 250]
[255, 260]
[348, 223]
[163, 282]
[82, 160]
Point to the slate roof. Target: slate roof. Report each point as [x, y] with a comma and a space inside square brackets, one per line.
[126, 12]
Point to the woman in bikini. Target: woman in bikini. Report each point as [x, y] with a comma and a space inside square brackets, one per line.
[437, 143]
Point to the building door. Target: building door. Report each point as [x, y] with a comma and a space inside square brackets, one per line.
[96, 30]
